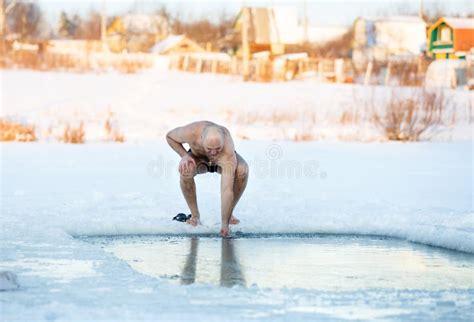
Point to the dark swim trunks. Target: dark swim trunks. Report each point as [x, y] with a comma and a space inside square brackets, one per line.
[210, 167]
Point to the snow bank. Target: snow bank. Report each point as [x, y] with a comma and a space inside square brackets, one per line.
[415, 230]
[147, 104]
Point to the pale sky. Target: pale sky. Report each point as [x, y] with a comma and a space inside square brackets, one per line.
[322, 13]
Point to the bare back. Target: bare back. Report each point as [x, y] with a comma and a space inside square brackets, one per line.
[192, 135]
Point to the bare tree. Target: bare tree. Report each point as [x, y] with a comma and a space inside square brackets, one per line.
[203, 30]
[90, 27]
[67, 26]
[24, 19]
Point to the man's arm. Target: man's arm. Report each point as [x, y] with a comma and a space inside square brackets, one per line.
[177, 137]
[227, 190]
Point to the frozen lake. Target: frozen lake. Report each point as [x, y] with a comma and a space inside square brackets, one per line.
[320, 262]
[304, 249]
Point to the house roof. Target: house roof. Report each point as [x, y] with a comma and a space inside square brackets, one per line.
[457, 23]
[172, 41]
[167, 43]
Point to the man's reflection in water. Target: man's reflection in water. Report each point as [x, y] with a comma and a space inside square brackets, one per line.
[189, 271]
[231, 272]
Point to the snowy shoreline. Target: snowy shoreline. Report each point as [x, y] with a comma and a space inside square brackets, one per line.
[145, 105]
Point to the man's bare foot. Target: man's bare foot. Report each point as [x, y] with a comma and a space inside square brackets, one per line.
[194, 221]
[225, 232]
[233, 221]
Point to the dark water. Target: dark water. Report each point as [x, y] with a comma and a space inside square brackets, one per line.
[309, 262]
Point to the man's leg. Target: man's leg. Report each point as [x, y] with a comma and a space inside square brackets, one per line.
[240, 183]
[188, 187]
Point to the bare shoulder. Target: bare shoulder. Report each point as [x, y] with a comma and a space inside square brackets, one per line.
[187, 133]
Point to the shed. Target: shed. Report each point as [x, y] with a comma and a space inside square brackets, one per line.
[451, 38]
[381, 37]
[270, 28]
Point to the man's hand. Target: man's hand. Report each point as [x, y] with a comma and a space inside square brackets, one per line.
[187, 165]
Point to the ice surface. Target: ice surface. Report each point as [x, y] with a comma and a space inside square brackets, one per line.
[52, 193]
[8, 281]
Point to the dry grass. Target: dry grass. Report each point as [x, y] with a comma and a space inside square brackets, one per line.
[350, 116]
[11, 131]
[112, 131]
[409, 73]
[408, 118]
[73, 132]
[124, 63]
[74, 135]
[304, 136]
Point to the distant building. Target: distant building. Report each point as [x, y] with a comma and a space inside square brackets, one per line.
[270, 28]
[380, 38]
[176, 44]
[149, 24]
[451, 38]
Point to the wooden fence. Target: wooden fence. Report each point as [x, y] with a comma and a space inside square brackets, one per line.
[265, 70]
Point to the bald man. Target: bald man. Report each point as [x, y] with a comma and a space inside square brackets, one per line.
[211, 150]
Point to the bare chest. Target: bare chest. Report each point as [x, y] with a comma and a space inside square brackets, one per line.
[199, 152]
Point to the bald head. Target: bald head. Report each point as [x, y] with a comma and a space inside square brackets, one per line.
[212, 139]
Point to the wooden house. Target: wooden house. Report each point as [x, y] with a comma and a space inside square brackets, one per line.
[380, 38]
[451, 38]
[269, 28]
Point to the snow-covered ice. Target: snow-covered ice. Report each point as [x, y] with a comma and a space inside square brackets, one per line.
[8, 281]
[54, 194]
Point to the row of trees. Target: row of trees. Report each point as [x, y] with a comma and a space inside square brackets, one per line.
[76, 27]
[26, 20]
[219, 33]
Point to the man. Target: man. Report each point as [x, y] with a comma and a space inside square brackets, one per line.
[211, 150]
